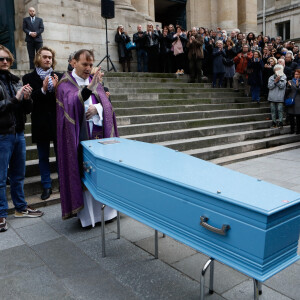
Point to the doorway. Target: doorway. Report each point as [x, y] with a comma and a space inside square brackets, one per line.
[171, 12]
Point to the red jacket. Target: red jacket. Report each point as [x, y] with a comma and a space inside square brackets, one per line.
[241, 62]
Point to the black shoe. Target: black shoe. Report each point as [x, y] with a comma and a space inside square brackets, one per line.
[280, 125]
[46, 193]
[274, 125]
[3, 225]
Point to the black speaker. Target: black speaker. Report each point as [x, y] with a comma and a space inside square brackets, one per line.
[107, 9]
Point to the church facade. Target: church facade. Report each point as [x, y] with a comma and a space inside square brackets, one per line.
[74, 24]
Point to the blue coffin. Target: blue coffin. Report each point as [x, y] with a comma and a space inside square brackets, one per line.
[250, 225]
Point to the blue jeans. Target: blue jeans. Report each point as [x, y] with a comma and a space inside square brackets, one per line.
[255, 92]
[44, 165]
[142, 58]
[12, 154]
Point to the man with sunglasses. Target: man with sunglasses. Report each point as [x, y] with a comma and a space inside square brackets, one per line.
[15, 103]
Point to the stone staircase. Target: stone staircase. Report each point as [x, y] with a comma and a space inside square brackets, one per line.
[218, 125]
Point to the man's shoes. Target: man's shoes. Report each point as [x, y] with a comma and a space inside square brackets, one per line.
[236, 91]
[28, 213]
[46, 193]
[3, 225]
[274, 125]
[280, 125]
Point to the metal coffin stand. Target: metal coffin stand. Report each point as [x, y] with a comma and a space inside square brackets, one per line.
[247, 224]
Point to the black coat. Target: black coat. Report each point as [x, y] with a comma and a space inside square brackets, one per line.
[122, 40]
[289, 69]
[139, 41]
[165, 43]
[37, 27]
[43, 116]
[255, 72]
[12, 111]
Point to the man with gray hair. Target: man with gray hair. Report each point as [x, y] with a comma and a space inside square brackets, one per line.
[139, 38]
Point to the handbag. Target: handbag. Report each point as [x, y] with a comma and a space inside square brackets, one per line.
[290, 101]
[227, 62]
[130, 45]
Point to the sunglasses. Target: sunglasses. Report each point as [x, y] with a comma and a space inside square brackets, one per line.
[8, 59]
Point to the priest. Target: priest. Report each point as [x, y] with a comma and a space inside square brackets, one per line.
[83, 112]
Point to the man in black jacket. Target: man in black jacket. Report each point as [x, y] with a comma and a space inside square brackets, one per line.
[139, 38]
[15, 103]
[43, 117]
[33, 27]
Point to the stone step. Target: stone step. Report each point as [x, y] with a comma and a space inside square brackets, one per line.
[173, 90]
[34, 201]
[188, 124]
[142, 75]
[160, 96]
[141, 119]
[108, 81]
[160, 85]
[254, 154]
[124, 103]
[33, 186]
[221, 139]
[210, 153]
[32, 154]
[32, 167]
[162, 136]
[131, 111]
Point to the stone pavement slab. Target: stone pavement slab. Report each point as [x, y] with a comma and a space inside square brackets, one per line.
[63, 257]
[10, 239]
[244, 291]
[18, 259]
[192, 266]
[35, 284]
[169, 250]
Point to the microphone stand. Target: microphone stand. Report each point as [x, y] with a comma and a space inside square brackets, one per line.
[107, 56]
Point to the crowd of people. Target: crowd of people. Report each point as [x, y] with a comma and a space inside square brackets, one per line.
[68, 108]
[225, 59]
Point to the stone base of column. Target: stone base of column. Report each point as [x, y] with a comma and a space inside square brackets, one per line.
[125, 7]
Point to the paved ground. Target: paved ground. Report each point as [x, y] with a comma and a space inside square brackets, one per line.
[48, 258]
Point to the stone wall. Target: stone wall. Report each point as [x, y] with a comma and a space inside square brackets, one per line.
[71, 25]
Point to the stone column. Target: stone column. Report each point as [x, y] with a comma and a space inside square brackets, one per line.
[198, 13]
[141, 6]
[124, 4]
[151, 9]
[227, 14]
[247, 17]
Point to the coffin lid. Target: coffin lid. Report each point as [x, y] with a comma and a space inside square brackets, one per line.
[195, 174]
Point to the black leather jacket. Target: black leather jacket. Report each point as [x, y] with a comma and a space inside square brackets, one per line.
[12, 112]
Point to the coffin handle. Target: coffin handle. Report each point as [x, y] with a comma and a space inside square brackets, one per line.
[221, 231]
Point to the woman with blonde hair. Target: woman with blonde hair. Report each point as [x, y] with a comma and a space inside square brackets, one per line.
[122, 38]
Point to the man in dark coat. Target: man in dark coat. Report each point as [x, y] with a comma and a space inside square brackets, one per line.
[195, 55]
[43, 81]
[33, 27]
[139, 38]
[15, 103]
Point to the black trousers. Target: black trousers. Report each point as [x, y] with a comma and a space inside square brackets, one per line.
[195, 69]
[32, 48]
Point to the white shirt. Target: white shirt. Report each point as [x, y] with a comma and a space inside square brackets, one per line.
[96, 119]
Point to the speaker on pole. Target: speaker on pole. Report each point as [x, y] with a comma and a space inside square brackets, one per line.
[107, 9]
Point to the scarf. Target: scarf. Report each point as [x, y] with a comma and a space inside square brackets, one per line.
[43, 74]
